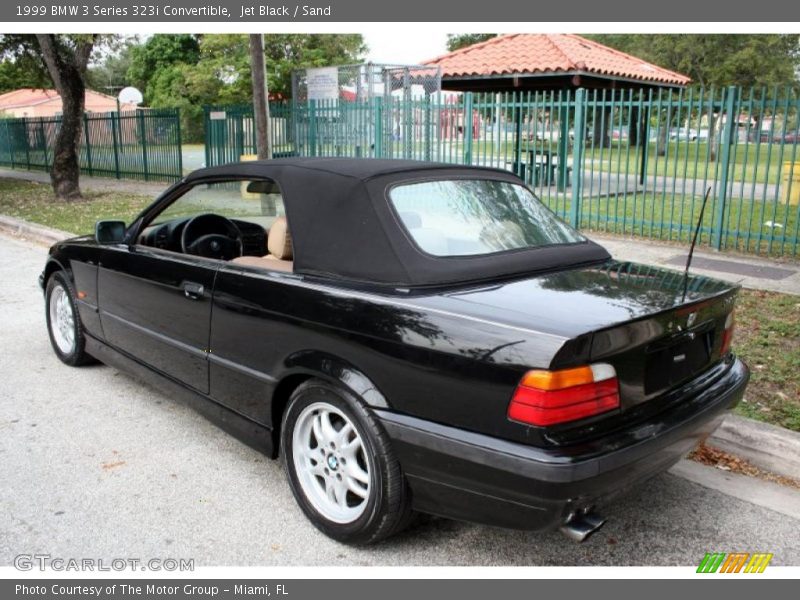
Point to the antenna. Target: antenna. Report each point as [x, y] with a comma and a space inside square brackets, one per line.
[694, 242]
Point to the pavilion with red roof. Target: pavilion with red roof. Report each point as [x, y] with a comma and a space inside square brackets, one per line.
[525, 62]
[552, 61]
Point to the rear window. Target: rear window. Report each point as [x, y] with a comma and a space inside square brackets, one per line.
[463, 217]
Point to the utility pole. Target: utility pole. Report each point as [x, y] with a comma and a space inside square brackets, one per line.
[260, 101]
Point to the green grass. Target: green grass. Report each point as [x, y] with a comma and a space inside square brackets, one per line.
[767, 337]
[752, 162]
[34, 202]
[663, 216]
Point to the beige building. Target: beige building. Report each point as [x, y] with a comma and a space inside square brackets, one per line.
[28, 102]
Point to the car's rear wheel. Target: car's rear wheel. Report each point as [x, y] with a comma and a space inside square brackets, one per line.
[63, 322]
[341, 467]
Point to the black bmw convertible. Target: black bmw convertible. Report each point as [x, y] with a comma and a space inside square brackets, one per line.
[405, 336]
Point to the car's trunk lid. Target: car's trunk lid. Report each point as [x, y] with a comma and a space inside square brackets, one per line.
[632, 316]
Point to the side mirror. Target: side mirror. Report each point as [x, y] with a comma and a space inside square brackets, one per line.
[109, 232]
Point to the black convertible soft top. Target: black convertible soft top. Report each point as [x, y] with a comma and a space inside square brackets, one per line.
[343, 224]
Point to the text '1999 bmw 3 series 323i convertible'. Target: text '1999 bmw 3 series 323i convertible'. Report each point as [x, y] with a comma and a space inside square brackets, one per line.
[405, 336]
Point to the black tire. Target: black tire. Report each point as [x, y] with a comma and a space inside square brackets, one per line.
[77, 356]
[388, 506]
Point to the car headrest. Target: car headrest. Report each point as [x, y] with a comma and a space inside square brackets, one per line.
[279, 242]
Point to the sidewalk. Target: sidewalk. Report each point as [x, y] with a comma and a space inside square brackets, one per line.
[101, 184]
[750, 272]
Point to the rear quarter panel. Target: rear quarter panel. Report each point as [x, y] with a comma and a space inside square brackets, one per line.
[427, 363]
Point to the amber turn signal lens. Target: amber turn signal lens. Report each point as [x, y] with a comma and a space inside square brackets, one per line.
[557, 380]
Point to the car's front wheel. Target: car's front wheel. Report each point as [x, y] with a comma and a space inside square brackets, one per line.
[341, 467]
[63, 321]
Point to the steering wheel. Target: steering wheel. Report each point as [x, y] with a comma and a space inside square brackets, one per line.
[211, 236]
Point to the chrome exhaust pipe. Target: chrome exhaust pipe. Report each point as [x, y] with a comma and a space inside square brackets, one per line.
[580, 525]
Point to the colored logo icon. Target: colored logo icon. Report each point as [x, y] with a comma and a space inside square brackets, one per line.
[734, 562]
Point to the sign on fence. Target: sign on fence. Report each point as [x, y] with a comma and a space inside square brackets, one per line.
[323, 83]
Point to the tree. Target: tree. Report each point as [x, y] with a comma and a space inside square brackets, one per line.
[758, 61]
[717, 60]
[66, 58]
[159, 52]
[60, 61]
[110, 72]
[171, 74]
[260, 102]
[287, 52]
[456, 41]
[22, 72]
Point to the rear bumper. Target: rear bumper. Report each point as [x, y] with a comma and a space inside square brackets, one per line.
[474, 477]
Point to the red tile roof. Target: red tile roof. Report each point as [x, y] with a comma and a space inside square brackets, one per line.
[550, 53]
[26, 97]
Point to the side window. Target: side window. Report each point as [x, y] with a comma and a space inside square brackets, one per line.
[257, 201]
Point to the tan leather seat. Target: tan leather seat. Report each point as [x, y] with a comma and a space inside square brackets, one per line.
[279, 244]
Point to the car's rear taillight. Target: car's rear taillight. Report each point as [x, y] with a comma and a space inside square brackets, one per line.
[545, 398]
[727, 334]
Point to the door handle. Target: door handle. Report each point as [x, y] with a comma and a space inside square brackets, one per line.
[192, 290]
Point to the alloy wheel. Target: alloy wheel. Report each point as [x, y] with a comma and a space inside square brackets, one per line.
[331, 463]
[62, 320]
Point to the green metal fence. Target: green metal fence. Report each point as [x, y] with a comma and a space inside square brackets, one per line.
[629, 162]
[141, 144]
[231, 132]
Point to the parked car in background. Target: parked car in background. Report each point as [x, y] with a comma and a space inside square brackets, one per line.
[405, 336]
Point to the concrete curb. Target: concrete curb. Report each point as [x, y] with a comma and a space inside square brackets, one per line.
[32, 231]
[766, 446]
[779, 498]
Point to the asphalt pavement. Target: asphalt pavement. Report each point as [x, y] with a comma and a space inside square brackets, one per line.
[93, 463]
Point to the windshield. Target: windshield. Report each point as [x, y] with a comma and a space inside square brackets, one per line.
[463, 217]
[257, 201]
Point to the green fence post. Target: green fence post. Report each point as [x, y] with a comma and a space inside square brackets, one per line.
[312, 127]
[44, 142]
[239, 136]
[143, 136]
[27, 143]
[517, 113]
[468, 128]
[378, 127]
[11, 149]
[180, 141]
[428, 125]
[87, 143]
[207, 134]
[563, 141]
[577, 158]
[115, 141]
[731, 117]
[644, 140]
